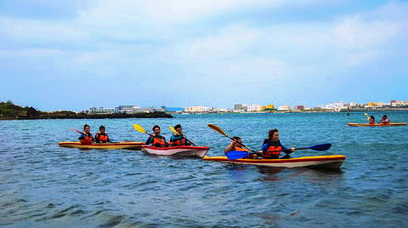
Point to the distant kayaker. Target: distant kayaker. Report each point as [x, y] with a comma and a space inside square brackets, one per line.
[371, 120]
[156, 140]
[179, 139]
[236, 145]
[384, 120]
[101, 136]
[86, 136]
[272, 146]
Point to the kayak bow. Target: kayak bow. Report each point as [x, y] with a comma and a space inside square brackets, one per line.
[185, 151]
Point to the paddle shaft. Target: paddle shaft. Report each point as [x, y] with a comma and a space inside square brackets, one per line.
[240, 144]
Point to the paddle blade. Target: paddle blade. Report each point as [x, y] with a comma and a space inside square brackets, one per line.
[232, 155]
[139, 128]
[217, 129]
[321, 147]
[173, 130]
[76, 130]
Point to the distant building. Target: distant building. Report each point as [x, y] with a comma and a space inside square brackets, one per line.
[199, 109]
[299, 107]
[136, 109]
[395, 103]
[101, 110]
[254, 108]
[284, 108]
[240, 108]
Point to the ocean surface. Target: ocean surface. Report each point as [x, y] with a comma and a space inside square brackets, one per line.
[43, 185]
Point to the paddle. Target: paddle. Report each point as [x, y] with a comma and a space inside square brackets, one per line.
[139, 128]
[219, 130]
[232, 155]
[76, 131]
[175, 132]
[368, 118]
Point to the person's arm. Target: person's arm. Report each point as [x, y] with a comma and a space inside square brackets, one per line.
[108, 138]
[81, 137]
[286, 150]
[230, 147]
[149, 140]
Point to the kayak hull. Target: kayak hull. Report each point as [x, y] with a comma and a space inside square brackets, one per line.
[327, 162]
[182, 151]
[376, 125]
[104, 146]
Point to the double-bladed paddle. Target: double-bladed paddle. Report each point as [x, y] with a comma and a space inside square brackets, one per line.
[219, 130]
[139, 128]
[232, 155]
[175, 132]
[76, 131]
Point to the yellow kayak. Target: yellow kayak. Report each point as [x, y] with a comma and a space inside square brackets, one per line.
[327, 161]
[376, 125]
[106, 146]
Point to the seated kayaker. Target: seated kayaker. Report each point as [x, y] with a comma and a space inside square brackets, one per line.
[384, 120]
[236, 145]
[371, 120]
[272, 146]
[86, 136]
[156, 140]
[179, 139]
[101, 136]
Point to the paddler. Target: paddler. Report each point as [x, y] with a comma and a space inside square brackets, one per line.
[179, 139]
[384, 120]
[272, 146]
[86, 136]
[101, 136]
[236, 145]
[371, 120]
[156, 140]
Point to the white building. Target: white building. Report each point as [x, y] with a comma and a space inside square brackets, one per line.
[101, 110]
[254, 108]
[198, 109]
[284, 108]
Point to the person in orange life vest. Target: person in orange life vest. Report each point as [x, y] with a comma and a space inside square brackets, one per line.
[371, 120]
[272, 146]
[384, 120]
[156, 140]
[101, 136]
[86, 136]
[180, 139]
[236, 145]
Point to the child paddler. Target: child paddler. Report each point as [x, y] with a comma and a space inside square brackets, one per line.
[101, 136]
[86, 136]
[156, 140]
[236, 145]
[179, 139]
[272, 146]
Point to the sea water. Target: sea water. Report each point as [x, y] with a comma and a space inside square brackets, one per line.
[44, 185]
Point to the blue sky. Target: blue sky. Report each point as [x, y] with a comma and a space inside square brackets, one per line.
[75, 54]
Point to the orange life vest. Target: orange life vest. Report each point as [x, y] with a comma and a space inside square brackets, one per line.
[102, 137]
[272, 152]
[179, 142]
[87, 140]
[240, 149]
[158, 142]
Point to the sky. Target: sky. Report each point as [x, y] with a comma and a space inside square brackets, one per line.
[77, 54]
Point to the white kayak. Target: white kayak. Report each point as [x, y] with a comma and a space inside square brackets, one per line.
[182, 151]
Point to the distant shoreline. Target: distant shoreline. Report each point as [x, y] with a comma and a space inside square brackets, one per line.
[91, 116]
